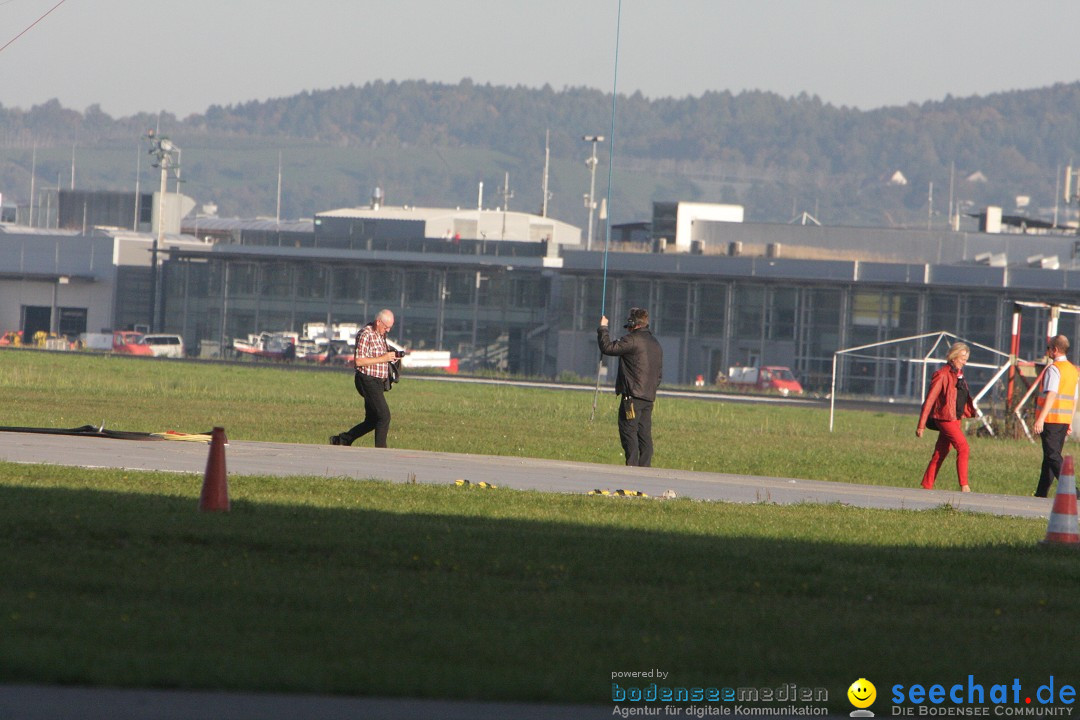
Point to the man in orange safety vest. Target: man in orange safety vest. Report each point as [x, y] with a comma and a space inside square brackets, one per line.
[1053, 420]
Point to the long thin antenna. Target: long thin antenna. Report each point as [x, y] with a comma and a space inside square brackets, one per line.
[611, 156]
[607, 223]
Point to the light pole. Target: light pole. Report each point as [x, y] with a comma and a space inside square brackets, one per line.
[54, 316]
[590, 199]
[168, 158]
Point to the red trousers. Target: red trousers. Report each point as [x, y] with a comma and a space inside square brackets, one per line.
[950, 434]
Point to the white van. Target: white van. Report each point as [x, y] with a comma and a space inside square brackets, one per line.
[164, 345]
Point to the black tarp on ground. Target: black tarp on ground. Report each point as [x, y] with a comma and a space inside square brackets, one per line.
[87, 431]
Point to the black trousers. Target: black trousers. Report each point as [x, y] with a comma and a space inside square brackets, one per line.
[1053, 441]
[636, 433]
[376, 411]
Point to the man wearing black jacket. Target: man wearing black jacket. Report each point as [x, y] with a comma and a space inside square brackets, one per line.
[641, 363]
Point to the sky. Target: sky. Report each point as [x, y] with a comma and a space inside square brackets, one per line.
[131, 56]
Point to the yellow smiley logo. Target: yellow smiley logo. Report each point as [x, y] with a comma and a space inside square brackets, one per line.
[862, 693]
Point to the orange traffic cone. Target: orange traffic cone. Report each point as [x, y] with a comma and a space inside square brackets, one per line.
[1063, 528]
[215, 488]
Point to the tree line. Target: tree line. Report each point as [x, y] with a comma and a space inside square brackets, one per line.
[430, 143]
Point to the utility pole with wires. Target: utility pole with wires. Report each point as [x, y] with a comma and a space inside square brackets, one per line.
[167, 158]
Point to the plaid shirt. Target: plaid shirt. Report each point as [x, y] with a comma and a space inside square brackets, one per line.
[369, 344]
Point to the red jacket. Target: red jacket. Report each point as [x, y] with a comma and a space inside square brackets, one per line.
[940, 402]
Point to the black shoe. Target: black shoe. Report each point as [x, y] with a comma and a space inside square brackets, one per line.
[335, 439]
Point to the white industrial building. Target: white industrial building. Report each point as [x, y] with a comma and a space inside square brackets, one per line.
[528, 301]
[66, 283]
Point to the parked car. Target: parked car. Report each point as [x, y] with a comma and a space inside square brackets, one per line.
[771, 377]
[128, 342]
[164, 345]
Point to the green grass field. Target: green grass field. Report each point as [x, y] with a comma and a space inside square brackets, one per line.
[367, 588]
[274, 404]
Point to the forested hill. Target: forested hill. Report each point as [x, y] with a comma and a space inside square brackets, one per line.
[432, 144]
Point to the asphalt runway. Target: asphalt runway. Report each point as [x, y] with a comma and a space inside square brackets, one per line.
[400, 465]
[519, 473]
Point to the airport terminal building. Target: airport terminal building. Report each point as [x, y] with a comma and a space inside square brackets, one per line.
[516, 292]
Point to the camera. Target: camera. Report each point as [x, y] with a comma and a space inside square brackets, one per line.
[399, 353]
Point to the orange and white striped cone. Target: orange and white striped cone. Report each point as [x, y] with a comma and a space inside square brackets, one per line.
[215, 489]
[1063, 528]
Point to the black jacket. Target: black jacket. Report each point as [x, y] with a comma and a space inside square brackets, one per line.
[641, 361]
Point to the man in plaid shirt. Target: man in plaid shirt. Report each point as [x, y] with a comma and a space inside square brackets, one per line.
[372, 358]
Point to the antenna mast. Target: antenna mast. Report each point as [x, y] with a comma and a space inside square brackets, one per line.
[547, 163]
[507, 193]
[138, 175]
[33, 172]
[279, 187]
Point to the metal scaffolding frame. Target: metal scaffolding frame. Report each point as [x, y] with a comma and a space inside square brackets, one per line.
[927, 359]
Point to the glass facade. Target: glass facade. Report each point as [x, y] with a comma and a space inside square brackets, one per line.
[132, 297]
[708, 326]
[475, 314]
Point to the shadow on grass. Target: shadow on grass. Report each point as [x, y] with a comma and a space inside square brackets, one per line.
[140, 590]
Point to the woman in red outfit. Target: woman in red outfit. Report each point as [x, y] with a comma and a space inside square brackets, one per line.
[947, 401]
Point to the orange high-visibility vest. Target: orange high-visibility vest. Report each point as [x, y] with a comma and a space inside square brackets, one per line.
[1061, 411]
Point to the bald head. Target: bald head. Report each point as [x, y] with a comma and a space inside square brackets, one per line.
[384, 321]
